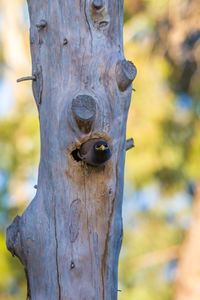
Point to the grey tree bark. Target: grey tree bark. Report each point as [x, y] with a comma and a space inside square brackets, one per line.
[69, 237]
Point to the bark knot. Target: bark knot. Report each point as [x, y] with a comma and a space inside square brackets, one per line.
[42, 24]
[13, 241]
[75, 213]
[97, 4]
[125, 74]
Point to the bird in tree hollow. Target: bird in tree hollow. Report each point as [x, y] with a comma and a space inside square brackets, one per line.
[95, 152]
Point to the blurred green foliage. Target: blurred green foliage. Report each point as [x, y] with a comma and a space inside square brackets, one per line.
[12, 280]
[163, 39]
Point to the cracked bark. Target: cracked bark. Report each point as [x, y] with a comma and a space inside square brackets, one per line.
[69, 237]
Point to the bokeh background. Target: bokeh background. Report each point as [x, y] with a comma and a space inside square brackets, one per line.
[160, 257]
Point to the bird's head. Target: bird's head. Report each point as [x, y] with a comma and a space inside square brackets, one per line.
[101, 146]
[102, 151]
[95, 152]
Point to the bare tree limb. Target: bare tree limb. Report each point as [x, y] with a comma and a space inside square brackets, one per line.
[27, 78]
[130, 144]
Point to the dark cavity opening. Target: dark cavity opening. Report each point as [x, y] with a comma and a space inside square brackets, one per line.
[103, 24]
[75, 155]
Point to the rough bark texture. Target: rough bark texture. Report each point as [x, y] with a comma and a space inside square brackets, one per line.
[69, 237]
[188, 276]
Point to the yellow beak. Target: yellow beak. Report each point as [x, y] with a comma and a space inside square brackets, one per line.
[102, 148]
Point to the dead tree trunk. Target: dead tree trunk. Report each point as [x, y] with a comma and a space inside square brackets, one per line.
[69, 237]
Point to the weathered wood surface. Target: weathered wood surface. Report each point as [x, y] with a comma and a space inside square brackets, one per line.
[70, 235]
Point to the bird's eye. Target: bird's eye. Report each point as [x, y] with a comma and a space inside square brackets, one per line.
[98, 146]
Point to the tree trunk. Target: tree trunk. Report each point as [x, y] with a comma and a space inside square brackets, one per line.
[69, 237]
[188, 276]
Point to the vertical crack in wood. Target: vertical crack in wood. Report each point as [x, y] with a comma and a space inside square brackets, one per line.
[105, 254]
[57, 268]
[28, 293]
[37, 85]
[87, 21]
[40, 85]
[88, 227]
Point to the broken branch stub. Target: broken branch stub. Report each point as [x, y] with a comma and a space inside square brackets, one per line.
[130, 144]
[125, 74]
[98, 4]
[84, 111]
[27, 78]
